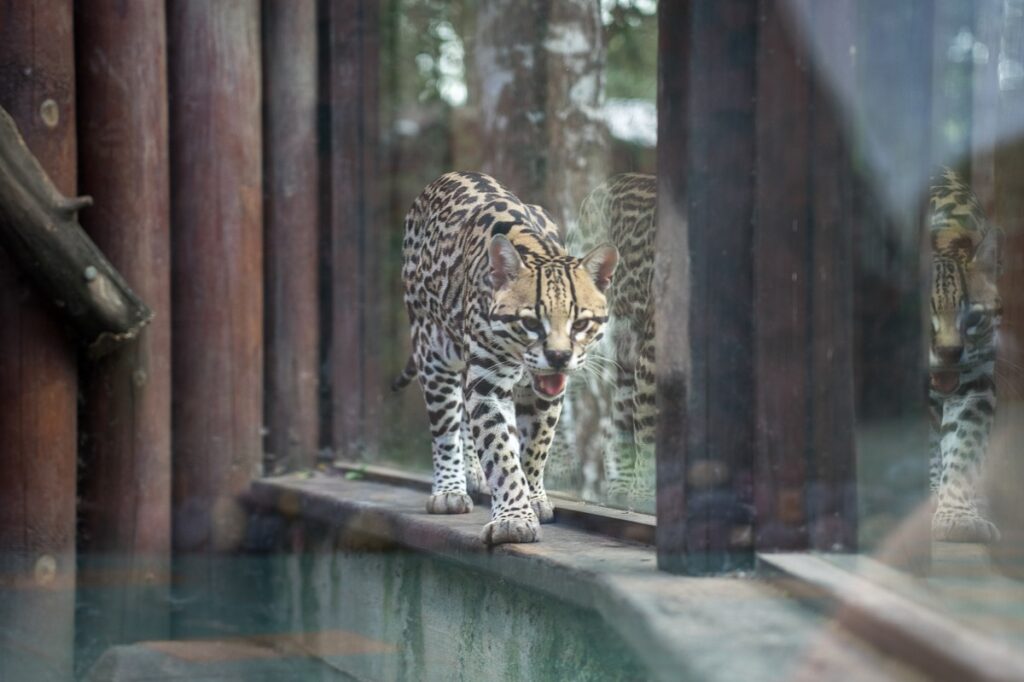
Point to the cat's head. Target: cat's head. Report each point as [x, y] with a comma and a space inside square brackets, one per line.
[965, 303]
[548, 310]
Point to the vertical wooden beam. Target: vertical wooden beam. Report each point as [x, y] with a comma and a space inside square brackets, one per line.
[782, 289]
[126, 417]
[291, 189]
[38, 384]
[1006, 467]
[217, 274]
[672, 282]
[719, 384]
[353, 96]
[831, 483]
[805, 466]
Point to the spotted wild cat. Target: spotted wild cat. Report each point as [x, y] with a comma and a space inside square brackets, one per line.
[499, 315]
[965, 314]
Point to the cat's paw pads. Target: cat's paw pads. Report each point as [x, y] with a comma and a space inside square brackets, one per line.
[962, 526]
[543, 509]
[449, 503]
[505, 530]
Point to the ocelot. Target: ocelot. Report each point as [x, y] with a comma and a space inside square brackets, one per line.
[499, 316]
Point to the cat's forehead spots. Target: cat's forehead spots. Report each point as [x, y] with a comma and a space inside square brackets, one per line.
[553, 288]
[947, 286]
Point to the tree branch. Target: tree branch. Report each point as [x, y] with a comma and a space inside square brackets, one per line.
[39, 229]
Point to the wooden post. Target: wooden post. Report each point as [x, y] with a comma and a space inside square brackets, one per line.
[831, 484]
[1006, 467]
[38, 385]
[754, 271]
[672, 281]
[713, 265]
[353, 92]
[125, 510]
[804, 474]
[217, 274]
[291, 192]
[783, 272]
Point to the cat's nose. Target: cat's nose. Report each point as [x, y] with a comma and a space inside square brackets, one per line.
[950, 354]
[558, 358]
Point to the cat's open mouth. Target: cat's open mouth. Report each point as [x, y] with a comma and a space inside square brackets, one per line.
[944, 381]
[550, 385]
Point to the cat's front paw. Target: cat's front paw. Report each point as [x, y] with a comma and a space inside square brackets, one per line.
[962, 525]
[543, 509]
[449, 503]
[505, 530]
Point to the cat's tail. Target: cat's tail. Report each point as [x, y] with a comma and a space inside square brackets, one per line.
[407, 375]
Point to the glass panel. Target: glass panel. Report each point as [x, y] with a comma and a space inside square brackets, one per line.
[556, 104]
[931, 95]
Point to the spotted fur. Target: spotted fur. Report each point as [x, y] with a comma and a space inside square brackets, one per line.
[621, 390]
[499, 314]
[965, 313]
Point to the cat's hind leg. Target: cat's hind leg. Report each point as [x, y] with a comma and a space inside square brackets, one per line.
[440, 377]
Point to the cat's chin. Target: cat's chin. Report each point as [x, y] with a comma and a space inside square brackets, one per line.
[549, 385]
[944, 381]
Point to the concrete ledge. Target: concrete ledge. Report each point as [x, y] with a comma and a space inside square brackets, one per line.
[724, 628]
[903, 626]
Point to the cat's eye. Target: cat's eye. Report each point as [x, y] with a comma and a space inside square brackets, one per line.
[532, 324]
[580, 325]
[972, 319]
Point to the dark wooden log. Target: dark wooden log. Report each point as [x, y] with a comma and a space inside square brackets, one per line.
[831, 483]
[717, 377]
[39, 229]
[353, 95]
[38, 386]
[805, 469]
[217, 273]
[671, 282]
[1006, 466]
[291, 191]
[125, 509]
[783, 285]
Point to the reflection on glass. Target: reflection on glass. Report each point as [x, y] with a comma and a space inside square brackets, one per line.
[550, 102]
[965, 312]
[608, 426]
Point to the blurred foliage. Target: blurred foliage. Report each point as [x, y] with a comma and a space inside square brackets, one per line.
[631, 40]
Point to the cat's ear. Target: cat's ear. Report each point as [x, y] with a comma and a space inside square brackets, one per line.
[600, 264]
[987, 256]
[505, 261]
[984, 269]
